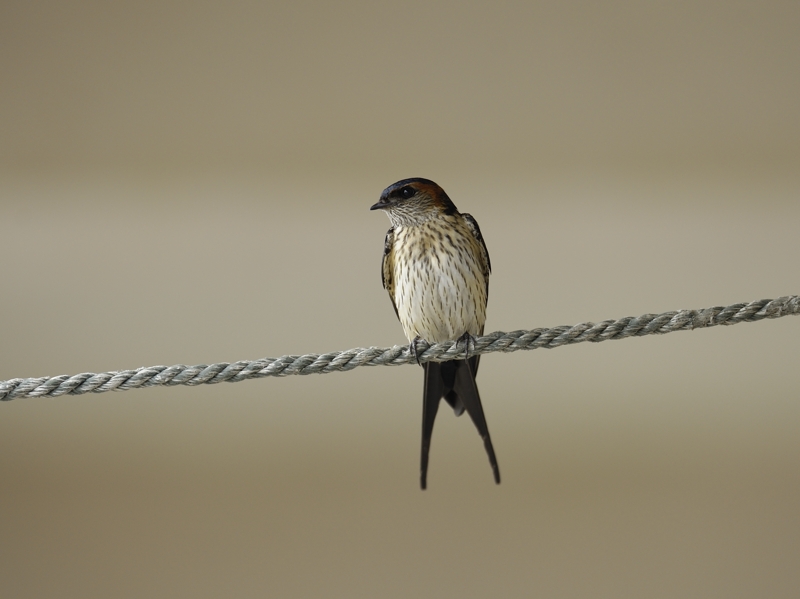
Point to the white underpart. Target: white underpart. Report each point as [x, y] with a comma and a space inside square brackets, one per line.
[439, 295]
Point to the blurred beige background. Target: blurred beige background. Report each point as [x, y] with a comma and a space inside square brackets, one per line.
[190, 183]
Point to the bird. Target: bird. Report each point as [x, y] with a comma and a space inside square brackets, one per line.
[436, 269]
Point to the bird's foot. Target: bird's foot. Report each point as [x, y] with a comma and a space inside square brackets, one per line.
[469, 343]
[414, 350]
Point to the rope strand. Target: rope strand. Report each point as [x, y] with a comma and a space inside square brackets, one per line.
[202, 374]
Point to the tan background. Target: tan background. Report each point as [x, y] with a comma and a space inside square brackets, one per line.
[189, 183]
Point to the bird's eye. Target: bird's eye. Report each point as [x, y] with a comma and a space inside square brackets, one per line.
[407, 192]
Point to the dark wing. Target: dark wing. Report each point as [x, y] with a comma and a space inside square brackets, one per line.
[472, 225]
[387, 273]
[486, 263]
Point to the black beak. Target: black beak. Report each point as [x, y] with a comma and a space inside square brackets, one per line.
[380, 205]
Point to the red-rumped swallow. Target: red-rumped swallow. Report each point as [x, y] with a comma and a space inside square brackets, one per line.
[436, 270]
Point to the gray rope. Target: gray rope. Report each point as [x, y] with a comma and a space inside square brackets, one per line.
[201, 374]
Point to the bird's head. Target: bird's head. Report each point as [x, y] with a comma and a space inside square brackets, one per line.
[412, 201]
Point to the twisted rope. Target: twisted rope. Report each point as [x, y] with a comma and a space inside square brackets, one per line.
[201, 374]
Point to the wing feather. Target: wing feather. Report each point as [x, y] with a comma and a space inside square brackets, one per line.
[387, 272]
[486, 263]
